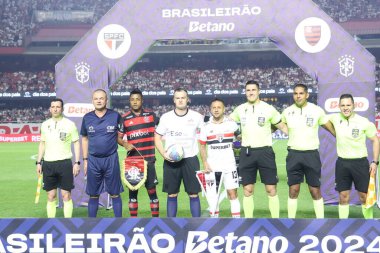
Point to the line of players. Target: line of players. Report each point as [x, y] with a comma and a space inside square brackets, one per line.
[103, 129]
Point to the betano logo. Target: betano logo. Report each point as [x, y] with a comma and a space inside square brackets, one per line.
[312, 35]
[77, 109]
[196, 26]
[113, 41]
[361, 104]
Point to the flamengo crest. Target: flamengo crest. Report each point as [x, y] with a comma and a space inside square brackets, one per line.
[82, 72]
[346, 65]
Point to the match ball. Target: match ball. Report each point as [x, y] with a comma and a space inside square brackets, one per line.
[175, 152]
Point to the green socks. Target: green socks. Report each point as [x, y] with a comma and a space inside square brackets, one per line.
[248, 206]
[319, 208]
[51, 208]
[68, 208]
[367, 212]
[274, 206]
[292, 208]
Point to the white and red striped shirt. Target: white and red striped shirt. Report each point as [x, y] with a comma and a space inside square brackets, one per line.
[219, 139]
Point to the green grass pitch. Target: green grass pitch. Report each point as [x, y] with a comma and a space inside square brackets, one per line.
[18, 186]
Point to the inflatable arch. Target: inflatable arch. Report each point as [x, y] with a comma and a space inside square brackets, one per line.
[299, 28]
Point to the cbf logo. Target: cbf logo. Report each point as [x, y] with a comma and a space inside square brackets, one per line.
[113, 41]
[346, 65]
[82, 72]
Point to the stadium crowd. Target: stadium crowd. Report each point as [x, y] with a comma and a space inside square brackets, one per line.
[17, 20]
[39, 114]
[191, 79]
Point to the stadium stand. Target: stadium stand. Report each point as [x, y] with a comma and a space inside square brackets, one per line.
[18, 20]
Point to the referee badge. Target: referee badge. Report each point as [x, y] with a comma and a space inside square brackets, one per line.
[62, 136]
[261, 121]
[309, 122]
[355, 133]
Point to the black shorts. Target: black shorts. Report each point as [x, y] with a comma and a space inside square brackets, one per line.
[300, 164]
[151, 177]
[352, 170]
[258, 159]
[184, 170]
[58, 174]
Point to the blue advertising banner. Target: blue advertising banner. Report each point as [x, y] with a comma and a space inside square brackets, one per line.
[189, 235]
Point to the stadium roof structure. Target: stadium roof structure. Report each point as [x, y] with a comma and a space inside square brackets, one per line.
[317, 44]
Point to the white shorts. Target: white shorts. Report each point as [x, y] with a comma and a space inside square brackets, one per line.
[231, 180]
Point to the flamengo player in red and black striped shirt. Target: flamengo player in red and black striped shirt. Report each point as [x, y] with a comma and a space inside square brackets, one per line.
[139, 128]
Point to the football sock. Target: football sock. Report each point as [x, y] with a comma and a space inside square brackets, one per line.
[171, 208]
[154, 203]
[319, 208]
[367, 212]
[235, 208]
[133, 204]
[195, 207]
[51, 208]
[117, 206]
[274, 206]
[344, 211]
[292, 208]
[92, 208]
[68, 208]
[248, 206]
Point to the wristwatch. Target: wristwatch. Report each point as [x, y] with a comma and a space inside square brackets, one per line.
[375, 162]
[38, 163]
[77, 162]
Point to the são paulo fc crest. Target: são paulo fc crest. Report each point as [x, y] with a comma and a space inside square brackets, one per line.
[346, 65]
[355, 133]
[113, 41]
[219, 137]
[82, 72]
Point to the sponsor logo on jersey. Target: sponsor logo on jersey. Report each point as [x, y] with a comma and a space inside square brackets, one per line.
[110, 129]
[138, 133]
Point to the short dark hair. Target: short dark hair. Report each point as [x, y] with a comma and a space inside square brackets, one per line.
[180, 89]
[57, 100]
[217, 100]
[343, 96]
[301, 85]
[252, 82]
[136, 91]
